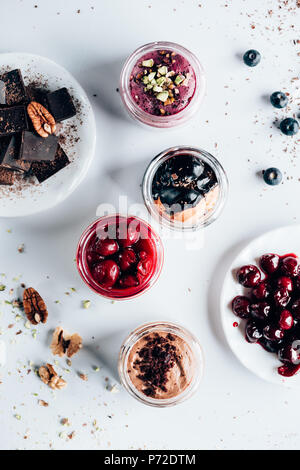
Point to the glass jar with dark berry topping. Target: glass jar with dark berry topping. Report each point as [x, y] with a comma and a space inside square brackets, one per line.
[162, 84]
[119, 257]
[185, 188]
[161, 364]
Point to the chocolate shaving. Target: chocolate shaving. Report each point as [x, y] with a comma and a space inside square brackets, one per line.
[157, 358]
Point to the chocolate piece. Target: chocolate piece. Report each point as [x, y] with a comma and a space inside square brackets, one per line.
[60, 105]
[10, 148]
[12, 88]
[13, 120]
[34, 93]
[44, 170]
[7, 177]
[36, 148]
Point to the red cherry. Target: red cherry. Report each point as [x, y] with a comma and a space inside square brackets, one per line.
[144, 266]
[128, 280]
[262, 291]
[106, 247]
[126, 259]
[128, 235]
[286, 320]
[143, 255]
[106, 273]
[93, 257]
[272, 333]
[269, 263]
[290, 266]
[248, 276]
[281, 297]
[241, 306]
[285, 282]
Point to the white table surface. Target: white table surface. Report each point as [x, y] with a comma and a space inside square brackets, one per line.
[233, 408]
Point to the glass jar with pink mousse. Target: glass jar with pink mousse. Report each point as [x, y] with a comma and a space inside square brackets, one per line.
[162, 84]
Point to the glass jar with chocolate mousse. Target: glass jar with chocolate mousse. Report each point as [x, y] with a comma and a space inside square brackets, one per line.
[162, 84]
[185, 188]
[161, 364]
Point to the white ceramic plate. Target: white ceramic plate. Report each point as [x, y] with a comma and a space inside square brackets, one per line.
[79, 143]
[281, 241]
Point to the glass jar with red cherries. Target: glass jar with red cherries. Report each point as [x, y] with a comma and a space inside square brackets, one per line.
[119, 257]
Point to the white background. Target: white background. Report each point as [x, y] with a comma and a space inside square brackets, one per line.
[233, 408]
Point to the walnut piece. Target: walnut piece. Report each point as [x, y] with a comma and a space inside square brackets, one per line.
[42, 121]
[63, 343]
[34, 306]
[51, 378]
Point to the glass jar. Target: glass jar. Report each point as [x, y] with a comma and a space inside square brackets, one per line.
[148, 242]
[162, 121]
[196, 355]
[215, 207]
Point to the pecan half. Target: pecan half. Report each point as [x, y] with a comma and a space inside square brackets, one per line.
[34, 306]
[49, 376]
[63, 343]
[42, 121]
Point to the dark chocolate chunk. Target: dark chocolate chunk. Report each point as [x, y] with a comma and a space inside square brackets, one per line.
[35, 93]
[12, 88]
[7, 177]
[36, 148]
[44, 170]
[10, 148]
[60, 105]
[13, 120]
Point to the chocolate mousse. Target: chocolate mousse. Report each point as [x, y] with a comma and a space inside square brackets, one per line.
[161, 365]
[162, 83]
[185, 188]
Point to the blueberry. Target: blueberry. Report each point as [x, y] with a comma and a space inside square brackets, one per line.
[252, 58]
[279, 99]
[272, 176]
[170, 196]
[289, 126]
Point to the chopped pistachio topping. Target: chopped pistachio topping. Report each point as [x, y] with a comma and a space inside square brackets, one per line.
[163, 70]
[148, 63]
[151, 76]
[86, 304]
[157, 89]
[2, 287]
[162, 96]
[179, 79]
[160, 81]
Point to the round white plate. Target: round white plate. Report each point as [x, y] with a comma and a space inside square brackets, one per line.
[281, 241]
[79, 139]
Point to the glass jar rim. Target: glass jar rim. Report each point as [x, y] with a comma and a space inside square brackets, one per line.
[117, 294]
[148, 180]
[178, 330]
[160, 121]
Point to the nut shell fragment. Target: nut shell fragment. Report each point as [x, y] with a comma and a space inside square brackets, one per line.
[49, 376]
[42, 121]
[34, 306]
[63, 343]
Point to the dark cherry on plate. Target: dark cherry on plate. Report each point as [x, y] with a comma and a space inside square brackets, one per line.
[272, 307]
[120, 257]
